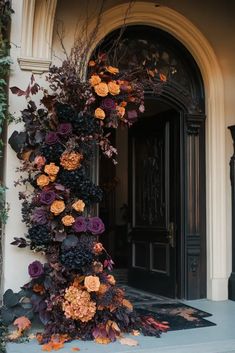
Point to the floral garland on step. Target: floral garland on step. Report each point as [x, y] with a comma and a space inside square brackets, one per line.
[74, 294]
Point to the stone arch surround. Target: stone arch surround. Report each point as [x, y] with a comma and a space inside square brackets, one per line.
[146, 13]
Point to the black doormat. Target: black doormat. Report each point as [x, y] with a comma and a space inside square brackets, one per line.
[178, 315]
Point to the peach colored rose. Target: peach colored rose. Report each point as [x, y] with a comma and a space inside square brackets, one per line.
[95, 80]
[71, 160]
[99, 113]
[121, 111]
[40, 161]
[101, 89]
[51, 169]
[111, 280]
[112, 70]
[78, 206]
[57, 207]
[43, 180]
[68, 220]
[92, 283]
[113, 88]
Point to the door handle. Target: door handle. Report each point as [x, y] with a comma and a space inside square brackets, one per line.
[171, 234]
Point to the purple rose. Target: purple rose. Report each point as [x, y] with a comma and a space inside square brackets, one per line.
[108, 104]
[64, 129]
[95, 225]
[47, 197]
[132, 116]
[80, 225]
[35, 269]
[51, 138]
[39, 216]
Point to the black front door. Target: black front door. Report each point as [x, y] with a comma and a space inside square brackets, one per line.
[155, 203]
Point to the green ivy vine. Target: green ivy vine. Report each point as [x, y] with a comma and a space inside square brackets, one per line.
[5, 61]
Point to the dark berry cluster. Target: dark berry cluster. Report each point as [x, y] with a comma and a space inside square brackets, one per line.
[39, 236]
[65, 113]
[52, 153]
[80, 186]
[76, 258]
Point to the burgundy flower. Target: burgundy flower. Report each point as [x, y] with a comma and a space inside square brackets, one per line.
[35, 269]
[108, 104]
[51, 138]
[95, 225]
[64, 129]
[47, 197]
[80, 225]
[39, 216]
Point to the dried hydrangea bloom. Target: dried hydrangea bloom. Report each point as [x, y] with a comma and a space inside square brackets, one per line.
[78, 305]
[71, 160]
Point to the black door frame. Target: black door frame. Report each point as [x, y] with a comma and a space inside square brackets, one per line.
[192, 252]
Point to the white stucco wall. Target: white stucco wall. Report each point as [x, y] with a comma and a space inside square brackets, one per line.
[212, 18]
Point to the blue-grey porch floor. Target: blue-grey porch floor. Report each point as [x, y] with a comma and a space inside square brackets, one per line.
[215, 339]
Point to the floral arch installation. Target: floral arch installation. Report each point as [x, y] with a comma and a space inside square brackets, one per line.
[74, 293]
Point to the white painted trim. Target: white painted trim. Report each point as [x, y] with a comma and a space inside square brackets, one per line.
[36, 37]
[34, 65]
[147, 13]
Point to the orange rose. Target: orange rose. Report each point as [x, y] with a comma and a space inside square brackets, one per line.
[95, 80]
[43, 180]
[113, 88]
[101, 89]
[121, 111]
[111, 280]
[78, 206]
[112, 70]
[123, 104]
[57, 207]
[99, 113]
[68, 220]
[51, 169]
[92, 283]
[71, 160]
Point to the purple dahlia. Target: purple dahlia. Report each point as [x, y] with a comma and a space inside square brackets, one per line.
[35, 269]
[64, 129]
[39, 216]
[80, 225]
[47, 197]
[95, 225]
[51, 138]
[108, 104]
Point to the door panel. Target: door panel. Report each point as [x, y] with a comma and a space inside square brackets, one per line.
[153, 183]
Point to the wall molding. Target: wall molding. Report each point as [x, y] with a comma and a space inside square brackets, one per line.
[36, 37]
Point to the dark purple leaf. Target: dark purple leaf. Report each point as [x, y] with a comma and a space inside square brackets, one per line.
[44, 317]
[17, 140]
[17, 91]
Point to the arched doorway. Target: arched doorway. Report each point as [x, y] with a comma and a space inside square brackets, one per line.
[161, 239]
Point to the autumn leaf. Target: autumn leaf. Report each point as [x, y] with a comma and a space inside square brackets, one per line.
[129, 342]
[135, 332]
[162, 77]
[75, 349]
[23, 323]
[52, 346]
[102, 340]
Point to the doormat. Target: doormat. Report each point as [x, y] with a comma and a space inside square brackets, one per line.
[178, 315]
